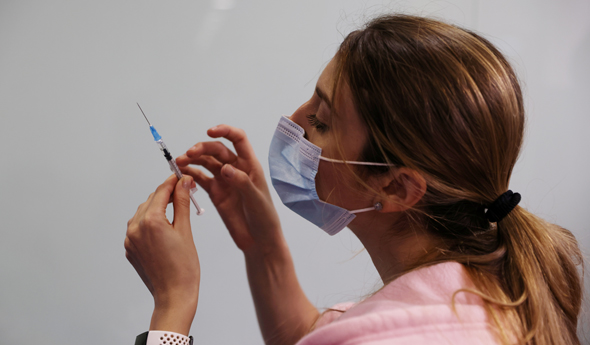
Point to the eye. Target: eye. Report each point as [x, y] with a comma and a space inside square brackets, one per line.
[314, 122]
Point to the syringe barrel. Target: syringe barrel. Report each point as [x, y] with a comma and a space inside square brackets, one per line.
[164, 150]
[175, 168]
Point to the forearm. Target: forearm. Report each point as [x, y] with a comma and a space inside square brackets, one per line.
[284, 312]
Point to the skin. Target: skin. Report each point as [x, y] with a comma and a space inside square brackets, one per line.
[391, 246]
[240, 193]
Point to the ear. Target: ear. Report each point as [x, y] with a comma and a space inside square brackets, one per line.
[402, 189]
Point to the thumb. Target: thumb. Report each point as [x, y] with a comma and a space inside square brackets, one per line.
[182, 203]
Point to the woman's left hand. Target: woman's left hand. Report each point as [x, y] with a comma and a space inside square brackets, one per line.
[164, 255]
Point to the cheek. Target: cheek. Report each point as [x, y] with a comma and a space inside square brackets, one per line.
[330, 185]
[338, 187]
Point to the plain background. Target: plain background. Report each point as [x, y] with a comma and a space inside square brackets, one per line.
[78, 158]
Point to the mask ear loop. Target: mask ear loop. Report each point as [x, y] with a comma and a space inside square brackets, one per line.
[376, 207]
[355, 162]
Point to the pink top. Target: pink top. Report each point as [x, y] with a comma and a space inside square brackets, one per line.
[414, 309]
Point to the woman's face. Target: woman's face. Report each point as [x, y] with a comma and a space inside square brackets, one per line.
[334, 182]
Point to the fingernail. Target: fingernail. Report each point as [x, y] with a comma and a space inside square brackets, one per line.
[187, 182]
[213, 128]
[228, 171]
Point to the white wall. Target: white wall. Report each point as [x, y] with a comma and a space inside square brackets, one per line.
[78, 158]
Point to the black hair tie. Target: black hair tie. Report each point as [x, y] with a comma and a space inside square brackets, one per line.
[502, 206]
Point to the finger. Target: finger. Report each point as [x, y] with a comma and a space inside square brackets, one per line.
[209, 163]
[238, 179]
[171, 200]
[145, 203]
[163, 192]
[142, 207]
[182, 204]
[199, 177]
[215, 149]
[238, 138]
[183, 160]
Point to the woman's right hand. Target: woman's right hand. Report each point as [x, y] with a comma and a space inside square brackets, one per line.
[240, 193]
[238, 188]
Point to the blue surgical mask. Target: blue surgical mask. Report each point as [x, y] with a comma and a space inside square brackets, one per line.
[294, 162]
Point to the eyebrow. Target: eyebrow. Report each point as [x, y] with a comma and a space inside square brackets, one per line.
[323, 96]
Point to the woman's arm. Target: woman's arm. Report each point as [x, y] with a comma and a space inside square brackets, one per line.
[284, 313]
[164, 255]
[240, 193]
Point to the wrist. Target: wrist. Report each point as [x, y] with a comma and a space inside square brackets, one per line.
[175, 317]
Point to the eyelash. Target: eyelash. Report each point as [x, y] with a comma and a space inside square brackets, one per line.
[319, 126]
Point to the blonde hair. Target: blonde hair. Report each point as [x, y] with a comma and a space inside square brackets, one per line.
[444, 101]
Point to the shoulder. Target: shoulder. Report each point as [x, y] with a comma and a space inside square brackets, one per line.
[421, 307]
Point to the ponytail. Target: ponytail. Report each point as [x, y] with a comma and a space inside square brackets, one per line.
[528, 279]
[540, 268]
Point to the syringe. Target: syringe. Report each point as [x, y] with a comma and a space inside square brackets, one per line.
[171, 161]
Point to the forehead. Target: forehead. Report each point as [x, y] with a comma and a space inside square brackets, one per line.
[343, 102]
[326, 79]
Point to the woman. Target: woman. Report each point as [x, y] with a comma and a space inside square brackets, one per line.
[409, 139]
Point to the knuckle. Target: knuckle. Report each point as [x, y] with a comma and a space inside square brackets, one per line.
[241, 133]
[218, 145]
[183, 202]
[148, 221]
[127, 245]
[131, 232]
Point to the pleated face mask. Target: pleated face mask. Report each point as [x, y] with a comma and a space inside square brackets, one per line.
[294, 163]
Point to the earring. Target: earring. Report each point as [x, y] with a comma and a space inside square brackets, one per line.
[378, 206]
